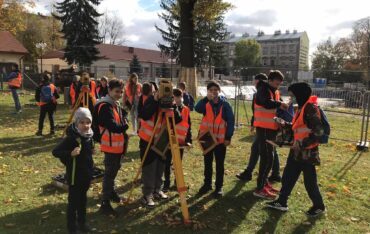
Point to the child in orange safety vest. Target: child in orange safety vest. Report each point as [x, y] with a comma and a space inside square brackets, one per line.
[183, 130]
[46, 97]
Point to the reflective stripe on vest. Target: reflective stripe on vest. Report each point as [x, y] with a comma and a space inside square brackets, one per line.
[183, 127]
[264, 118]
[52, 88]
[16, 82]
[146, 126]
[216, 125]
[300, 129]
[112, 142]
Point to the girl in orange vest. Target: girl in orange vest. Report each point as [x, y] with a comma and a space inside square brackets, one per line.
[102, 88]
[46, 97]
[304, 155]
[113, 136]
[131, 99]
[218, 117]
[183, 130]
[14, 80]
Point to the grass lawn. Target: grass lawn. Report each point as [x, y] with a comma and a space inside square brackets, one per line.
[29, 204]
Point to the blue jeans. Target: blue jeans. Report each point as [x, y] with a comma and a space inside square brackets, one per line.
[16, 99]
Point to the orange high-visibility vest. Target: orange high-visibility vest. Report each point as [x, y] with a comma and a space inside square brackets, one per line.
[146, 129]
[300, 129]
[72, 91]
[112, 142]
[16, 82]
[52, 88]
[129, 95]
[183, 127]
[93, 89]
[264, 118]
[216, 124]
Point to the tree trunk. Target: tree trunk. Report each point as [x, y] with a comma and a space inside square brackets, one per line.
[188, 70]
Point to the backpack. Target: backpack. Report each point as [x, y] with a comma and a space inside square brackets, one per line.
[95, 123]
[46, 95]
[324, 139]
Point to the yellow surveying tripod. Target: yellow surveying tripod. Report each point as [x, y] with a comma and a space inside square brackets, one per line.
[177, 163]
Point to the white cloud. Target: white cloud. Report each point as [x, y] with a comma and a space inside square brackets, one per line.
[319, 18]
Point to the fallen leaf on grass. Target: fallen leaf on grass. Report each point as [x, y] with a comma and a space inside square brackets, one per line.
[230, 210]
[354, 219]
[45, 212]
[331, 195]
[307, 223]
[113, 232]
[9, 225]
[346, 189]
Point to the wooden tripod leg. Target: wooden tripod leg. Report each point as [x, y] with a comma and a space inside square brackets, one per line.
[75, 107]
[177, 163]
[144, 157]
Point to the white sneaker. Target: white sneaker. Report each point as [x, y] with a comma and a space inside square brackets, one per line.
[160, 195]
[148, 201]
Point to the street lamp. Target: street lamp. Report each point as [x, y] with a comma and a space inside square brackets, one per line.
[41, 46]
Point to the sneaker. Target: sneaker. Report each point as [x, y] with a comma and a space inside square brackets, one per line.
[115, 198]
[160, 195]
[107, 209]
[244, 176]
[148, 201]
[218, 193]
[315, 211]
[264, 193]
[271, 189]
[165, 189]
[275, 178]
[84, 228]
[277, 205]
[39, 133]
[204, 189]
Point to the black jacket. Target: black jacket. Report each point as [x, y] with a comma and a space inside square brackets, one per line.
[84, 161]
[106, 116]
[263, 97]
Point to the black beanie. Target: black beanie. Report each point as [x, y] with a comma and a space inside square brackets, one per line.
[302, 92]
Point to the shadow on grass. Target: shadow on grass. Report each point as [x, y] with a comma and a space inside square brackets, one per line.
[28, 145]
[248, 138]
[305, 226]
[271, 222]
[348, 165]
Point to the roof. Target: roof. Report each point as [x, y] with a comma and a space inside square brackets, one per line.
[268, 37]
[9, 44]
[117, 52]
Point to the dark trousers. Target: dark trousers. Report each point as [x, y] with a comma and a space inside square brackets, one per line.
[46, 109]
[219, 153]
[167, 169]
[254, 156]
[76, 209]
[291, 174]
[112, 164]
[266, 155]
[17, 103]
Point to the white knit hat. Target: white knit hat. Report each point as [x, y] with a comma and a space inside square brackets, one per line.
[82, 113]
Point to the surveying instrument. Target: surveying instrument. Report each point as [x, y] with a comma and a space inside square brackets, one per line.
[166, 118]
[83, 98]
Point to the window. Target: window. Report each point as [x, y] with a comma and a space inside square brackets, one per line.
[112, 68]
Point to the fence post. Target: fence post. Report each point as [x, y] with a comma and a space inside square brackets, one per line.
[363, 144]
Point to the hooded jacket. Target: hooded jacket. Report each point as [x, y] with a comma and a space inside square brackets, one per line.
[263, 97]
[302, 93]
[106, 115]
[84, 161]
[227, 113]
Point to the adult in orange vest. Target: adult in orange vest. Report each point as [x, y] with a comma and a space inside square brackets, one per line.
[131, 99]
[304, 156]
[14, 80]
[218, 117]
[46, 97]
[266, 103]
[112, 129]
[183, 130]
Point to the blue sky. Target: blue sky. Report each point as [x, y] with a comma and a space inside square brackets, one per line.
[321, 19]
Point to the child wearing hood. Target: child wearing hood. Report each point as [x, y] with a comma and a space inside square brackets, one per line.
[218, 117]
[304, 155]
[75, 152]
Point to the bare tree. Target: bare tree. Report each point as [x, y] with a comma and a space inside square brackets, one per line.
[111, 29]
